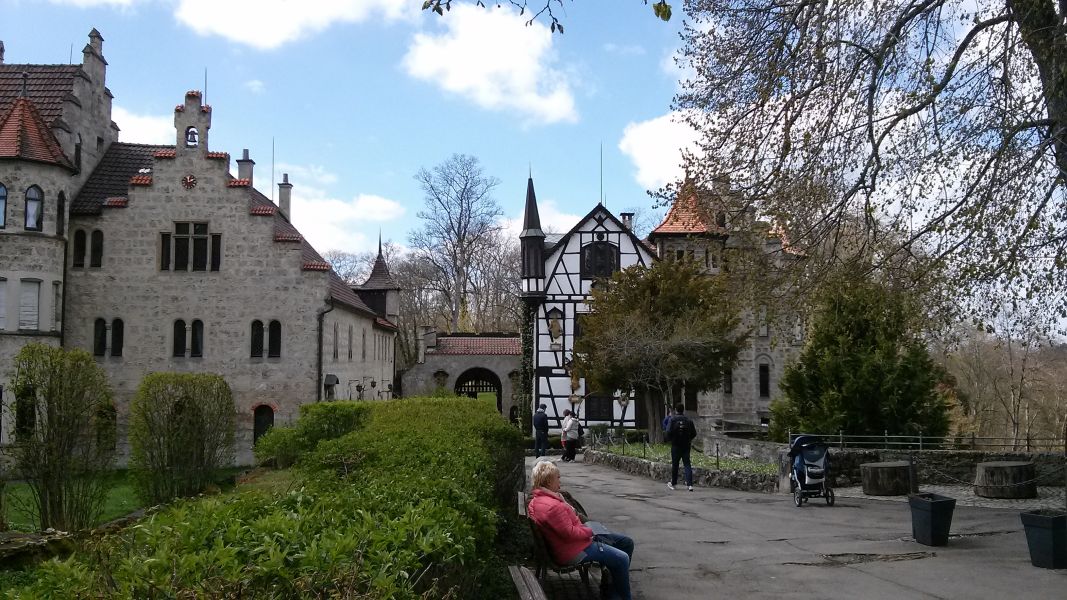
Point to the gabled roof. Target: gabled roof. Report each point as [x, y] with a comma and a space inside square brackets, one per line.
[48, 86]
[111, 178]
[609, 216]
[380, 278]
[686, 217]
[479, 345]
[24, 135]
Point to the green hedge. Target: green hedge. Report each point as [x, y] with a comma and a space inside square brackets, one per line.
[416, 516]
[318, 422]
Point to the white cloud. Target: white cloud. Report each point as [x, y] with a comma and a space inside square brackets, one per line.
[332, 223]
[494, 59]
[255, 86]
[553, 219]
[268, 24]
[90, 3]
[143, 129]
[624, 49]
[655, 148]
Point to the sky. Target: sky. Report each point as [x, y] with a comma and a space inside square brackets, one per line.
[353, 97]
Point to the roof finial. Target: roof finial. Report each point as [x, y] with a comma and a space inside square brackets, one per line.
[379, 241]
[25, 84]
[531, 169]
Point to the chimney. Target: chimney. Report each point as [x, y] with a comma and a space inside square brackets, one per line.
[244, 167]
[93, 58]
[1, 52]
[420, 342]
[285, 194]
[627, 220]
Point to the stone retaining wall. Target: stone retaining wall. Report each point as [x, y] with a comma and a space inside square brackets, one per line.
[735, 480]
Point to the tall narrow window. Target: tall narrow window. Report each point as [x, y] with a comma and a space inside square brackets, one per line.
[335, 341]
[728, 381]
[57, 307]
[200, 246]
[164, 252]
[363, 354]
[78, 261]
[61, 213]
[196, 348]
[181, 246]
[96, 248]
[99, 337]
[25, 413]
[763, 321]
[190, 247]
[257, 338]
[34, 209]
[764, 381]
[30, 304]
[3, 207]
[179, 338]
[117, 335]
[3, 304]
[274, 339]
[216, 251]
[349, 343]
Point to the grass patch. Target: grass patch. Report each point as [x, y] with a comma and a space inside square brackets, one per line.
[121, 501]
[662, 453]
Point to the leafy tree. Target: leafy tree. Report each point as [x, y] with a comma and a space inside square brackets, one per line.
[459, 223]
[654, 329]
[64, 434]
[181, 433]
[938, 123]
[865, 369]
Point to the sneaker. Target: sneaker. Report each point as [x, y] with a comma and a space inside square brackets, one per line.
[690, 488]
[670, 486]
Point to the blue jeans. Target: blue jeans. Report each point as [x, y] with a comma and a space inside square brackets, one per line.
[613, 550]
[540, 443]
[683, 455]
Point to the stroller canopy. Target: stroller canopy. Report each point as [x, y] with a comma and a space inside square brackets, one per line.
[804, 441]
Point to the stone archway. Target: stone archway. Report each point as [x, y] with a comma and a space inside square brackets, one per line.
[479, 380]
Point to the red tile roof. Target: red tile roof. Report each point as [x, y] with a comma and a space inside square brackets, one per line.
[217, 155]
[686, 217]
[48, 86]
[477, 344]
[141, 180]
[166, 153]
[24, 135]
[262, 211]
[239, 183]
[117, 202]
[111, 178]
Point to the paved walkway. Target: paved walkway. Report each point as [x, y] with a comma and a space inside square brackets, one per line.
[1047, 497]
[718, 543]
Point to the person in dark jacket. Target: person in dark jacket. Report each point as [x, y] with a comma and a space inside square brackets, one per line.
[680, 434]
[540, 424]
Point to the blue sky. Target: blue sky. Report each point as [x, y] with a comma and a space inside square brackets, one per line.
[357, 95]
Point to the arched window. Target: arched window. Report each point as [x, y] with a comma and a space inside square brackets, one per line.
[196, 348]
[61, 213]
[599, 259]
[3, 206]
[96, 248]
[274, 339]
[263, 420]
[34, 209]
[257, 338]
[79, 249]
[99, 337]
[117, 334]
[179, 338]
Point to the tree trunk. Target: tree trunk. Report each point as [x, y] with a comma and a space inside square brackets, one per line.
[1044, 37]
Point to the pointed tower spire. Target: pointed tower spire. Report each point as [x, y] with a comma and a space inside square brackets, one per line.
[379, 241]
[532, 242]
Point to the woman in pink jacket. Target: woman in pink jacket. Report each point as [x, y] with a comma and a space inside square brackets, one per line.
[571, 542]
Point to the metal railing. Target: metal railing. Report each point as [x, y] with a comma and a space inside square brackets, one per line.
[924, 442]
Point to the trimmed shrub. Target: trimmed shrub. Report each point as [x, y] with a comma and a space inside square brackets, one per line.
[181, 433]
[280, 445]
[318, 422]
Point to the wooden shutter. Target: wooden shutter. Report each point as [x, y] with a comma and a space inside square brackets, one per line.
[29, 305]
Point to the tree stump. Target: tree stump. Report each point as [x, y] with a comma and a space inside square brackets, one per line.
[1005, 479]
[888, 479]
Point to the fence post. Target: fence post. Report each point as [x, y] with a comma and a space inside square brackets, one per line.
[840, 438]
[717, 467]
[911, 473]
[885, 438]
[920, 439]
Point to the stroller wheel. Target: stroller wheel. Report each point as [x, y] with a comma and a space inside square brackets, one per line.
[829, 497]
[798, 496]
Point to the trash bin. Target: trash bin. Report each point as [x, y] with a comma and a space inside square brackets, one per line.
[1046, 536]
[931, 518]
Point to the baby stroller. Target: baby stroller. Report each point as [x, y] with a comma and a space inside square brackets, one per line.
[809, 476]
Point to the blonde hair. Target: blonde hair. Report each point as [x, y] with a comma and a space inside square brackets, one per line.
[542, 473]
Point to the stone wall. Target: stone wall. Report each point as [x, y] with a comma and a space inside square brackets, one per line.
[735, 480]
[757, 450]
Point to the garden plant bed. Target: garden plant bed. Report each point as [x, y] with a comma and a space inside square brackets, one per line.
[655, 462]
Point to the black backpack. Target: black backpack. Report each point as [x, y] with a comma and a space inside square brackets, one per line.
[686, 430]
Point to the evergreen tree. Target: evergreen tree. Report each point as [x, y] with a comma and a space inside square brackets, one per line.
[865, 369]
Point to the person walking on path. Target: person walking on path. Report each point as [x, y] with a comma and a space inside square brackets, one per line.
[540, 425]
[569, 540]
[680, 434]
[570, 435]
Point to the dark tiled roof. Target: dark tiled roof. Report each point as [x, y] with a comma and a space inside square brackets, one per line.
[455, 344]
[111, 178]
[380, 277]
[25, 135]
[48, 86]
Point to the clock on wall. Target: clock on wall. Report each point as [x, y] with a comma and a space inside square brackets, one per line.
[189, 182]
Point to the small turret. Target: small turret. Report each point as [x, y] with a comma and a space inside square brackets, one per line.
[191, 123]
[532, 242]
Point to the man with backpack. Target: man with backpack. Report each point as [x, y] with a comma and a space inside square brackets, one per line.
[540, 425]
[680, 433]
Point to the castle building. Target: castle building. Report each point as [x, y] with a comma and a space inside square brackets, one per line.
[559, 271]
[156, 258]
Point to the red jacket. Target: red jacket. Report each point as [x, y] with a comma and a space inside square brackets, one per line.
[563, 530]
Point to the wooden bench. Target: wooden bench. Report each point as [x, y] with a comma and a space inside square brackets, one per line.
[542, 557]
[526, 583]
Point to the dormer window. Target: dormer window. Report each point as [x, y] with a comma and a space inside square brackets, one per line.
[192, 137]
[599, 259]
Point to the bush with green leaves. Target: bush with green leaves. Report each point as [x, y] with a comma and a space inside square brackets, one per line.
[181, 434]
[64, 442]
[416, 518]
[318, 422]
